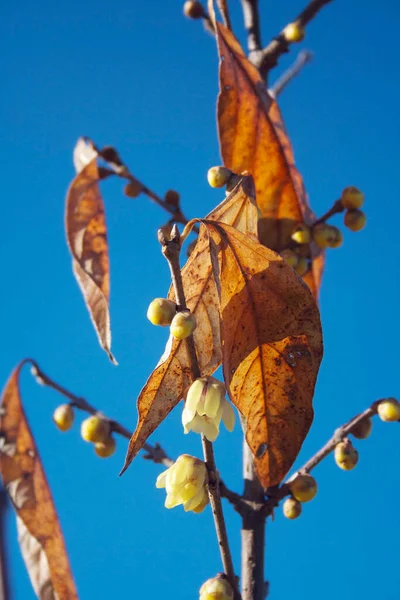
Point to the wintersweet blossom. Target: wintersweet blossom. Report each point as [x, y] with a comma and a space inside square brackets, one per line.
[185, 483]
[217, 588]
[205, 407]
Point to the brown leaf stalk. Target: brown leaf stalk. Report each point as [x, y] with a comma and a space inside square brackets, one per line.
[339, 435]
[303, 58]
[171, 251]
[269, 56]
[154, 453]
[336, 208]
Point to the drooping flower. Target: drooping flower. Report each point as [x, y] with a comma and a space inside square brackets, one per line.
[185, 483]
[205, 407]
[217, 588]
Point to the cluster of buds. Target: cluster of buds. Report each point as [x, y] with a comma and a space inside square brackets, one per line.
[94, 429]
[303, 488]
[97, 430]
[205, 407]
[217, 588]
[163, 312]
[322, 234]
[185, 483]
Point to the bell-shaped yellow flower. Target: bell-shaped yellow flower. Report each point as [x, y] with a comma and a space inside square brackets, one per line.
[185, 483]
[205, 407]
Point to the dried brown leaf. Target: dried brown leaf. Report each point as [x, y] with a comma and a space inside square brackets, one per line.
[170, 379]
[87, 241]
[253, 138]
[39, 532]
[272, 347]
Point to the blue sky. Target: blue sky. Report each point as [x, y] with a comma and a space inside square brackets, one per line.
[141, 77]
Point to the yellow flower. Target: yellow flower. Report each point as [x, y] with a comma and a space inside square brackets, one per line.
[185, 483]
[217, 588]
[205, 407]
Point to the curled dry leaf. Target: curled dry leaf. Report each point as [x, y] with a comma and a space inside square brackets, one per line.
[170, 379]
[39, 532]
[272, 347]
[87, 241]
[252, 137]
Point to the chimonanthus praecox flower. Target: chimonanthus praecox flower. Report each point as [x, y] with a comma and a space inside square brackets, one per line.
[217, 588]
[205, 406]
[186, 483]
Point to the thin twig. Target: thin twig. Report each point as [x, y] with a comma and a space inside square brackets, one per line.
[171, 251]
[339, 435]
[268, 58]
[336, 208]
[252, 25]
[303, 58]
[154, 453]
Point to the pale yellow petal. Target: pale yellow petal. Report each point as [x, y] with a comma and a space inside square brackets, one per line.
[212, 400]
[195, 393]
[161, 479]
[172, 500]
[228, 415]
[195, 501]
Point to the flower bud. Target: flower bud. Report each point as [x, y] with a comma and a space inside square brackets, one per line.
[336, 238]
[106, 448]
[133, 189]
[303, 487]
[362, 430]
[352, 198]
[218, 176]
[217, 588]
[94, 429]
[292, 508]
[346, 456]
[185, 483]
[183, 324]
[323, 235]
[172, 197]
[205, 407]
[290, 257]
[63, 417]
[389, 410]
[301, 234]
[355, 219]
[294, 32]
[302, 267]
[193, 9]
[161, 311]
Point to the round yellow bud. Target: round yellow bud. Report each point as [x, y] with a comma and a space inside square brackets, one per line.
[183, 324]
[133, 189]
[63, 417]
[346, 456]
[323, 235]
[362, 430]
[389, 410]
[106, 448]
[161, 311]
[301, 234]
[355, 220]
[193, 10]
[294, 32]
[217, 588]
[352, 198]
[290, 257]
[172, 197]
[292, 508]
[302, 266]
[218, 176]
[337, 238]
[303, 487]
[94, 429]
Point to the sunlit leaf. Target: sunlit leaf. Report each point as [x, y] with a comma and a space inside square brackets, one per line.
[272, 347]
[253, 138]
[39, 532]
[87, 241]
[170, 379]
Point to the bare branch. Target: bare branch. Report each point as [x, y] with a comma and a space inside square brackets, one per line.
[171, 251]
[274, 496]
[303, 58]
[154, 453]
[268, 58]
[252, 25]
